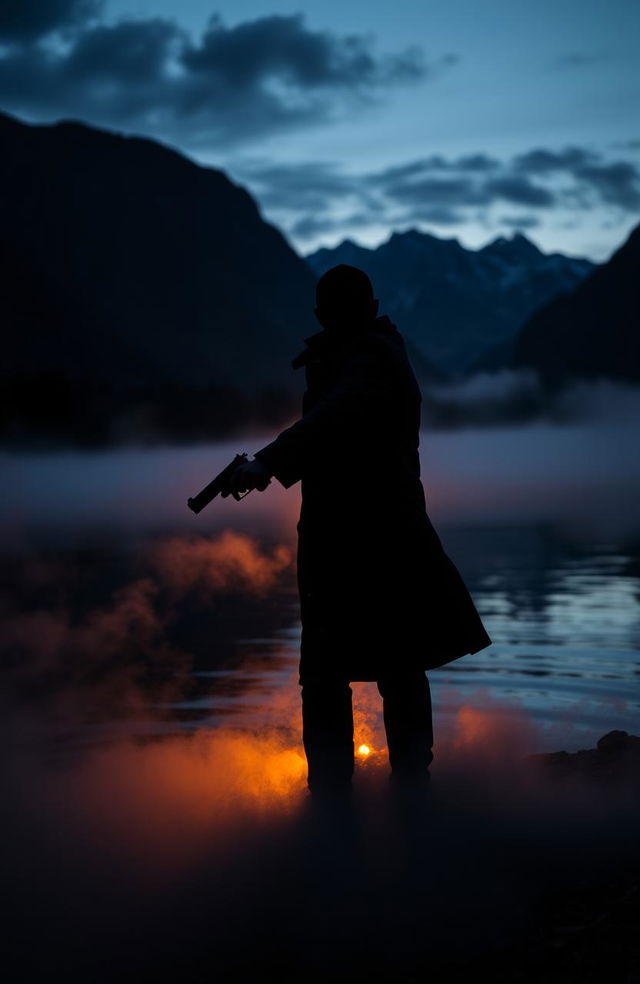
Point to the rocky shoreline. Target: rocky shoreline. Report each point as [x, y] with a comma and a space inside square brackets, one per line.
[614, 760]
[590, 931]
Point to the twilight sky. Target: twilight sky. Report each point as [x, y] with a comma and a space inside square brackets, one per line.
[465, 118]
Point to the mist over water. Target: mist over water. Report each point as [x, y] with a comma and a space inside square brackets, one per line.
[542, 521]
[586, 472]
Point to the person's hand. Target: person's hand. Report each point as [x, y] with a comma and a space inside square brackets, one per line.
[250, 475]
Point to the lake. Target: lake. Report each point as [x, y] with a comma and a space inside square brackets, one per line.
[127, 614]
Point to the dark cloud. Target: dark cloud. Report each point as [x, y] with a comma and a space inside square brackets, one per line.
[306, 186]
[360, 219]
[436, 162]
[439, 215]
[405, 172]
[130, 52]
[281, 47]
[519, 189]
[613, 182]
[520, 221]
[617, 183]
[110, 74]
[440, 190]
[476, 162]
[543, 161]
[319, 190]
[475, 179]
[233, 84]
[578, 59]
[633, 144]
[24, 20]
[310, 226]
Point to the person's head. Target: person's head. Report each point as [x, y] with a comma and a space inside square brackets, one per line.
[344, 299]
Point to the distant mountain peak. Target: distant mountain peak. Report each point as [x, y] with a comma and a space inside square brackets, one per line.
[517, 245]
[454, 303]
[349, 243]
[414, 235]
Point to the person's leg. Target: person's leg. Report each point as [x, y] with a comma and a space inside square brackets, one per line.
[327, 732]
[408, 722]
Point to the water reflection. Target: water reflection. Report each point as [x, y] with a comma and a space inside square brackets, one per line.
[173, 633]
[564, 616]
[122, 610]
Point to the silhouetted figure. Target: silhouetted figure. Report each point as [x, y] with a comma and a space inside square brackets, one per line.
[379, 598]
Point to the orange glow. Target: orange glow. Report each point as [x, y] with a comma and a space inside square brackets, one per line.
[494, 729]
[485, 730]
[475, 725]
[160, 805]
[367, 724]
[229, 560]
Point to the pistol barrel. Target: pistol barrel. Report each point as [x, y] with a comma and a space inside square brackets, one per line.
[219, 484]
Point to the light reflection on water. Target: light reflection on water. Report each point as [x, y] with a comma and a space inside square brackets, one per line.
[564, 618]
[549, 550]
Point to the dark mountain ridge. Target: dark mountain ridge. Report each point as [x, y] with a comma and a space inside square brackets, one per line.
[455, 304]
[128, 276]
[592, 331]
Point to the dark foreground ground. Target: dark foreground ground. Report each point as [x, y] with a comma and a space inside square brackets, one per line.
[528, 876]
[588, 928]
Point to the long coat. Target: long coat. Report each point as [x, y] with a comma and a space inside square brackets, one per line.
[377, 590]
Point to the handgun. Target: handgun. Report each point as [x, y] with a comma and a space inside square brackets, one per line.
[219, 486]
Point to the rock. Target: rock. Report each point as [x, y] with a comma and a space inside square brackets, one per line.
[613, 741]
[615, 759]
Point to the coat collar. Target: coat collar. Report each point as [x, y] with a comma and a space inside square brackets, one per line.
[324, 340]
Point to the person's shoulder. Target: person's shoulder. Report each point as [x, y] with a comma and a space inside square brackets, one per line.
[384, 333]
[385, 339]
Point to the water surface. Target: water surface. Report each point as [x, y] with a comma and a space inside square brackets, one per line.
[186, 622]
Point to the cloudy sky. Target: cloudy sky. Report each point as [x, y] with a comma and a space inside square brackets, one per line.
[465, 118]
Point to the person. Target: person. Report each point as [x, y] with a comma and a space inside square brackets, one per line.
[380, 600]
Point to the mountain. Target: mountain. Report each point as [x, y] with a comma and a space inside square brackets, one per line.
[138, 285]
[593, 330]
[455, 304]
